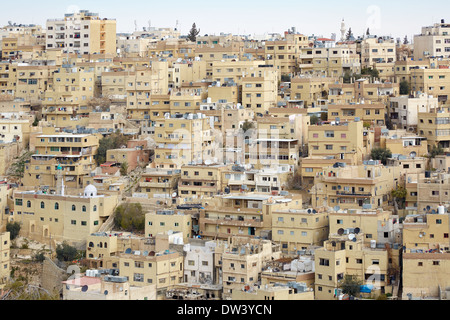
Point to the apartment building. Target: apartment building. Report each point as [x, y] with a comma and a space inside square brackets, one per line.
[373, 114]
[433, 82]
[153, 264]
[368, 185]
[404, 110]
[32, 82]
[260, 92]
[15, 129]
[310, 167]
[284, 53]
[344, 255]
[283, 292]
[65, 102]
[114, 85]
[159, 183]
[329, 62]
[310, 91]
[60, 217]
[379, 53]
[224, 93]
[343, 141]
[183, 140]
[82, 32]
[400, 142]
[216, 53]
[165, 221]
[186, 71]
[434, 125]
[5, 269]
[8, 78]
[241, 262]
[432, 41]
[247, 215]
[199, 268]
[425, 257]
[297, 229]
[362, 89]
[71, 155]
[403, 68]
[200, 182]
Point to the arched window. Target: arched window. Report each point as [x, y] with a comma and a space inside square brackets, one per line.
[84, 208]
[56, 206]
[42, 205]
[106, 245]
[95, 208]
[28, 204]
[101, 245]
[91, 244]
[74, 208]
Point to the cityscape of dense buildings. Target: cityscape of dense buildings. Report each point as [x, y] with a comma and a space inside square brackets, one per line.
[223, 167]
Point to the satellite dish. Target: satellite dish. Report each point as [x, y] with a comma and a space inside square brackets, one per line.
[105, 292]
[128, 251]
[341, 232]
[174, 195]
[351, 236]
[84, 288]
[309, 210]
[357, 230]
[354, 239]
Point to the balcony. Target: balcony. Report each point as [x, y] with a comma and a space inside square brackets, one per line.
[353, 194]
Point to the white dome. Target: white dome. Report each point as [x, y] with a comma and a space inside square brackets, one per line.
[90, 191]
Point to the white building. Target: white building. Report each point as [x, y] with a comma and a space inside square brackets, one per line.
[199, 262]
[405, 109]
[82, 33]
[433, 41]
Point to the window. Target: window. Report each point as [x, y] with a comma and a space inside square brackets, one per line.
[56, 206]
[42, 205]
[324, 262]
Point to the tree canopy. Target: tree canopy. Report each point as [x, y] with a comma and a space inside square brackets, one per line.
[381, 154]
[193, 33]
[130, 217]
[114, 141]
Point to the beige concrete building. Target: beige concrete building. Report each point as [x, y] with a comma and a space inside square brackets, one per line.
[435, 126]
[362, 89]
[297, 229]
[310, 91]
[60, 217]
[200, 182]
[105, 288]
[159, 183]
[433, 82]
[164, 221]
[181, 140]
[5, 269]
[245, 215]
[241, 262]
[73, 156]
[372, 114]
[290, 292]
[343, 141]
[432, 41]
[368, 185]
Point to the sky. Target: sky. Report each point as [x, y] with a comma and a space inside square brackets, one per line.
[395, 18]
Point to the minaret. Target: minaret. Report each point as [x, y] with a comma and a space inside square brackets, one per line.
[59, 181]
[343, 30]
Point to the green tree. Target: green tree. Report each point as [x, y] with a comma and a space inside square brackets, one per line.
[381, 154]
[130, 217]
[124, 168]
[193, 33]
[373, 73]
[313, 120]
[347, 76]
[436, 151]
[351, 285]
[65, 252]
[404, 87]
[349, 34]
[247, 125]
[14, 229]
[113, 141]
[399, 194]
[324, 116]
